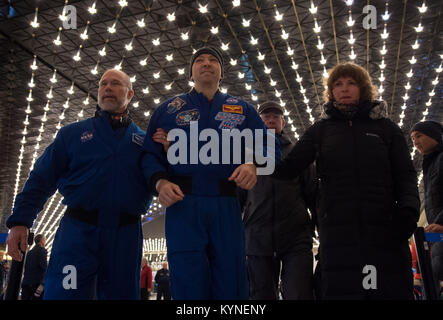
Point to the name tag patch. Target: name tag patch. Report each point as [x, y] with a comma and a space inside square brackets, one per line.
[232, 100]
[137, 139]
[232, 109]
[86, 136]
[229, 120]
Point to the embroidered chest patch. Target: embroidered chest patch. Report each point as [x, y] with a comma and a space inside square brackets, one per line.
[232, 100]
[137, 139]
[232, 109]
[229, 120]
[86, 136]
[185, 117]
[175, 105]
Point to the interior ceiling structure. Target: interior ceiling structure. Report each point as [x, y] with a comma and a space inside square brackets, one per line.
[273, 50]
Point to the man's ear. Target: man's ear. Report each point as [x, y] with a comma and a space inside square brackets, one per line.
[130, 94]
[283, 122]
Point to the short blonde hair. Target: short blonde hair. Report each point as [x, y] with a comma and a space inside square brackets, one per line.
[349, 69]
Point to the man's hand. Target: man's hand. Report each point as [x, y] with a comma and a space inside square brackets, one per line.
[438, 228]
[168, 193]
[161, 136]
[245, 176]
[17, 235]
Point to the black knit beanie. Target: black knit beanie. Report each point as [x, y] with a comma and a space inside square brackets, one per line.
[430, 128]
[209, 50]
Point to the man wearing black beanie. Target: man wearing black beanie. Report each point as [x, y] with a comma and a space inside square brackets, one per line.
[427, 138]
[203, 227]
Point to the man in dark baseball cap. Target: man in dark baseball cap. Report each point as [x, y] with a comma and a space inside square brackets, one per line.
[208, 50]
[270, 106]
[427, 138]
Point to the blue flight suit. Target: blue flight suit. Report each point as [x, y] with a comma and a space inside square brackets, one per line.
[97, 169]
[204, 231]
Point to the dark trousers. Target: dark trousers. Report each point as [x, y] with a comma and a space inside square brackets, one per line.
[143, 294]
[294, 269]
[163, 291]
[28, 292]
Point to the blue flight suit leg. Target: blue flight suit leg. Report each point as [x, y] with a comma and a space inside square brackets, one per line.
[90, 250]
[205, 237]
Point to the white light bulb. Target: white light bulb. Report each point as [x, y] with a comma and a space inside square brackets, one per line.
[135, 104]
[185, 36]
[214, 30]
[246, 23]
[34, 23]
[156, 75]
[203, 9]
[224, 46]
[415, 46]
[317, 28]
[233, 62]
[156, 42]
[261, 56]
[146, 90]
[123, 3]
[313, 9]
[241, 75]
[253, 40]
[278, 16]
[144, 61]
[170, 57]
[92, 9]
[419, 28]
[352, 56]
[112, 29]
[128, 46]
[423, 8]
[350, 22]
[57, 41]
[181, 71]
[171, 16]
[236, 3]
[284, 35]
[141, 23]
[77, 56]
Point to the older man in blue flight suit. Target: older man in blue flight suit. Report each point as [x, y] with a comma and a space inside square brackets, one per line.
[204, 231]
[95, 165]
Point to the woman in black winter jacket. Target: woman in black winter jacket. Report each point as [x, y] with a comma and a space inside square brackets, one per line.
[368, 203]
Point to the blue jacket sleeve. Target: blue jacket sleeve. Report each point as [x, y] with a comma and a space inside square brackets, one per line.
[154, 162]
[41, 184]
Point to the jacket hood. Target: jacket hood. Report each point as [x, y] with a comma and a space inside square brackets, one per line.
[375, 109]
